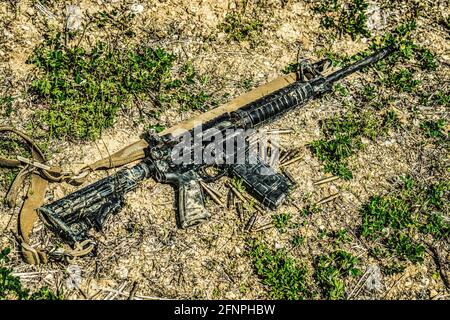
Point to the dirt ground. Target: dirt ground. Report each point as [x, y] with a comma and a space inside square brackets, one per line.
[142, 243]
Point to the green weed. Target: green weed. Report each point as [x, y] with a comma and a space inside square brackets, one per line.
[280, 273]
[238, 184]
[433, 129]
[406, 248]
[183, 90]
[393, 268]
[6, 103]
[331, 269]
[438, 98]
[13, 146]
[436, 226]
[84, 89]
[343, 138]
[157, 127]
[340, 236]
[298, 240]
[292, 68]
[11, 287]
[281, 220]
[309, 210]
[401, 36]
[427, 60]
[239, 28]
[341, 90]
[344, 17]
[402, 80]
[395, 218]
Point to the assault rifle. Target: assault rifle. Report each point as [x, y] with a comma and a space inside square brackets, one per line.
[74, 215]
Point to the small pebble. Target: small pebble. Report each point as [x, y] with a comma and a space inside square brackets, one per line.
[137, 8]
[73, 22]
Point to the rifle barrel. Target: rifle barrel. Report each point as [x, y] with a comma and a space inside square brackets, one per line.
[342, 73]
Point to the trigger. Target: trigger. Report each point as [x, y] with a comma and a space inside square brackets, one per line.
[211, 173]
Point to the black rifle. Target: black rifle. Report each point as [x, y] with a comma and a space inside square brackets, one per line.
[74, 215]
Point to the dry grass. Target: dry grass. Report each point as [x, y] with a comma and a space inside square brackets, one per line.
[142, 244]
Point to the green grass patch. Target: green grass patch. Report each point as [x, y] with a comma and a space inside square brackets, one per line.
[408, 51]
[6, 103]
[331, 270]
[240, 28]
[402, 80]
[398, 219]
[343, 138]
[427, 59]
[340, 236]
[292, 68]
[12, 146]
[185, 91]
[347, 17]
[309, 210]
[281, 220]
[298, 240]
[438, 98]
[157, 127]
[81, 90]
[433, 129]
[283, 276]
[400, 35]
[341, 90]
[11, 288]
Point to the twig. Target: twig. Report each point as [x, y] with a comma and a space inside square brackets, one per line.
[133, 291]
[438, 261]
[396, 282]
[83, 294]
[127, 294]
[43, 9]
[357, 284]
[114, 293]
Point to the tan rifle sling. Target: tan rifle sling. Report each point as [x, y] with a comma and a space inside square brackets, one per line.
[41, 174]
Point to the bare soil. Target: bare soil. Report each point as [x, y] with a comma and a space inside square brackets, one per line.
[142, 244]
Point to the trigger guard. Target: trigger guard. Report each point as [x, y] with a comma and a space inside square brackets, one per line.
[209, 178]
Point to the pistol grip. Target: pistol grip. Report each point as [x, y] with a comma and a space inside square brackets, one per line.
[191, 204]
